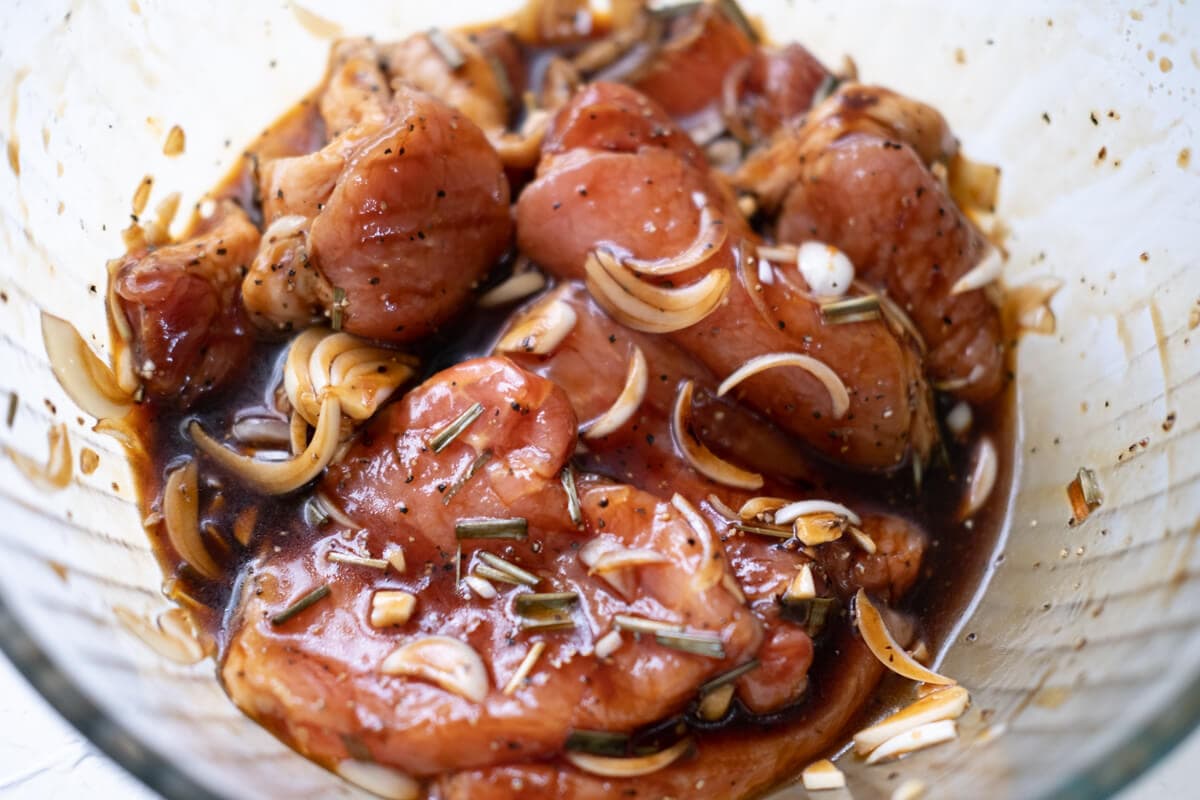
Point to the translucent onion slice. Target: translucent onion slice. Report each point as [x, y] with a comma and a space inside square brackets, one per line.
[171, 636]
[362, 376]
[900, 322]
[279, 477]
[85, 378]
[449, 663]
[803, 508]
[916, 739]
[984, 469]
[594, 552]
[541, 330]
[619, 558]
[711, 570]
[946, 703]
[885, 648]
[705, 461]
[513, 289]
[839, 398]
[614, 767]
[379, 780]
[986, 271]
[627, 402]
[645, 307]
[709, 238]
[181, 518]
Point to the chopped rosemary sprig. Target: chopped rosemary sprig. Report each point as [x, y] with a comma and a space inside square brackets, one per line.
[557, 621]
[472, 468]
[852, 309]
[700, 644]
[777, 533]
[446, 48]
[452, 431]
[313, 597]
[534, 602]
[728, 677]
[512, 570]
[314, 514]
[812, 613]
[13, 401]
[599, 743]
[356, 560]
[493, 574]
[642, 625]
[336, 310]
[491, 528]
[573, 506]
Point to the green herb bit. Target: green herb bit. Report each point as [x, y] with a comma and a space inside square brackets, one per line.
[492, 528]
[598, 743]
[534, 602]
[357, 560]
[493, 574]
[315, 596]
[514, 572]
[557, 621]
[700, 644]
[574, 508]
[729, 677]
[777, 533]
[472, 468]
[813, 612]
[452, 431]
[446, 48]
[14, 401]
[633, 624]
[851, 309]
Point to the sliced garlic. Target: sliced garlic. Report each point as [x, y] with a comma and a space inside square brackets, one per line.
[449, 663]
[391, 607]
[915, 739]
[946, 703]
[822, 775]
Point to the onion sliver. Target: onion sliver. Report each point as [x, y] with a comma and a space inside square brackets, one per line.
[645, 307]
[984, 468]
[802, 508]
[839, 397]
[87, 379]
[627, 402]
[614, 767]
[709, 238]
[885, 648]
[986, 271]
[513, 289]
[449, 663]
[181, 518]
[705, 461]
[625, 557]
[379, 780]
[947, 703]
[279, 477]
[711, 569]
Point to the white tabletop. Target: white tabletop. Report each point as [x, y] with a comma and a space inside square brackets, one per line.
[43, 758]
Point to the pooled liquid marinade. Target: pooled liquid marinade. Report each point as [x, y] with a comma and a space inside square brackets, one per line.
[417, 176]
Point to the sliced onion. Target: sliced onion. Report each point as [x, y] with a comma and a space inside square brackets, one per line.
[613, 767]
[85, 378]
[885, 648]
[804, 508]
[279, 477]
[170, 635]
[915, 739]
[986, 271]
[594, 552]
[652, 309]
[619, 558]
[945, 703]
[262, 431]
[900, 321]
[709, 237]
[120, 430]
[984, 468]
[627, 402]
[379, 780]
[541, 330]
[513, 289]
[705, 461]
[321, 363]
[181, 518]
[449, 663]
[711, 569]
[719, 506]
[523, 148]
[298, 433]
[839, 397]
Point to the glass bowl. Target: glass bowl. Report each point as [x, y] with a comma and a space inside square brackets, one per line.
[1082, 655]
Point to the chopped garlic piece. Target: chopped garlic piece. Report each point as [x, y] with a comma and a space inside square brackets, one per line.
[822, 775]
[826, 270]
[609, 643]
[481, 586]
[395, 557]
[802, 587]
[391, 608]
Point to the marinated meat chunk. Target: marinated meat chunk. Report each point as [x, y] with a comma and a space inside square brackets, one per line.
[189, 331]
[649, 204]
[319, 678]
[405, 216]
[858, 176]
